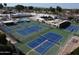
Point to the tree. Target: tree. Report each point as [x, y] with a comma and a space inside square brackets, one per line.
[30, 7]
[5, 4]
[1, 6]
[52, 9]
[59, 9]
[19, 7]
[3, 38]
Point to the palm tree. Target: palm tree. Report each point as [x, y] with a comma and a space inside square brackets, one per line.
[59, 9]
[5, 5]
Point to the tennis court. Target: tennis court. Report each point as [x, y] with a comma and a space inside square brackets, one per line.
[51, 38]
[73, 28]
[38, 37]
[31, 29]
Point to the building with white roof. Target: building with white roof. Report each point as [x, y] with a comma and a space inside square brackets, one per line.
[50, 20]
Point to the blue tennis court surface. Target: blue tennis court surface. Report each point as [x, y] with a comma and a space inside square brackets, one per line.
[29, 30]
[52, 39]
[73, 28]
[44, 47]
[36, 42]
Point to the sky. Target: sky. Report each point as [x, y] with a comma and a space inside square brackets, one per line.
[47, 5]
